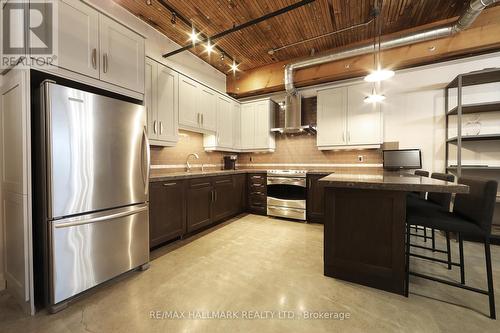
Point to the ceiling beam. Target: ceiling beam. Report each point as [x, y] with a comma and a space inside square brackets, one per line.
[480, 38]
[241, 26]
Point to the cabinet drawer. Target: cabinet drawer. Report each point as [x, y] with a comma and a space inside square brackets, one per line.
[219, 180]
[200, 182]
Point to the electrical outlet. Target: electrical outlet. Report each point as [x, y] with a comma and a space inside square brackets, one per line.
[361, 158]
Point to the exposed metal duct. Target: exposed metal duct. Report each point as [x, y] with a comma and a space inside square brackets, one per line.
[463, 22]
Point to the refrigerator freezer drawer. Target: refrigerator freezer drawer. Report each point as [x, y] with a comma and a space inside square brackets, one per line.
[88, 250]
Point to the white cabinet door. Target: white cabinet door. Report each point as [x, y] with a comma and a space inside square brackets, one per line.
[262, 125]
[364, 120]
[78, 37]
[247, 126]
[189, 95]
[224, 122]
[208, 109]
[236, 109]
[122, 55]
[15, 174]
[167, 104]
[150, 100]
[331, 122]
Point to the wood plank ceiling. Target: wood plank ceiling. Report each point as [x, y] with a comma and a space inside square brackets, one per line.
[250, 46]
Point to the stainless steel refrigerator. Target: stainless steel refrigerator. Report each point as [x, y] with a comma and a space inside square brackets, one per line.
[93, 179]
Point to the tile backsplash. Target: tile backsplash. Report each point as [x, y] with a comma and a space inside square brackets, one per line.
[298, 151]
[301, 149]
[174, 158]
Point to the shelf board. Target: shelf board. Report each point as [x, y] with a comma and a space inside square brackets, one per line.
[466, 167]
[477, 107]
[477, 77]
[476, 138]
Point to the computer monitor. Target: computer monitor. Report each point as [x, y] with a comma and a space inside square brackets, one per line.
[402, 159]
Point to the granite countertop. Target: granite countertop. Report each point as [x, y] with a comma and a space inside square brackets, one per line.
[393, 181]
[160, 177]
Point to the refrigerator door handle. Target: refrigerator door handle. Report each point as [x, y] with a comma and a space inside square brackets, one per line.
[75, 222]
[145, 164]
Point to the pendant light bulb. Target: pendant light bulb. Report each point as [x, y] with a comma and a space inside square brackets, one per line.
[379, 75]
[374, 97]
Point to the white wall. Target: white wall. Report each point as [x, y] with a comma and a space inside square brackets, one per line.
[2, 259]
[158, 44]
[414, 111]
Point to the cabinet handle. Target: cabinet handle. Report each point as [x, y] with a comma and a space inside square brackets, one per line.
[169, 184]
[105, 62]
[202, 118]
[343, 136]
[94, 58]
[215, 195]
[198, 118]
[161, 127]
[155, 127]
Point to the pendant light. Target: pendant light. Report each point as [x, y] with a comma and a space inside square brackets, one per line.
[378, 74]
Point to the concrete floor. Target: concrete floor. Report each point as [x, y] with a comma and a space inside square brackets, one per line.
[255, 264]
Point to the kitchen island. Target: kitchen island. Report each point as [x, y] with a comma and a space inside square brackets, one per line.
[364, 232]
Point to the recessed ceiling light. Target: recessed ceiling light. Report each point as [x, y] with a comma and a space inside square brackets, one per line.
[234, 67]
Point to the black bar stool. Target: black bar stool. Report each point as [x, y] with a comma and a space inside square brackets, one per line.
[437, 201]
[421, 195]
[472, 215]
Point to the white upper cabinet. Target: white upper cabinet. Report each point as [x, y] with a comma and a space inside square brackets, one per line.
[331, 117]
[345, 120]
[208, 109]
[364, 125]
[236, 125]
[256, 123]
[247, 126]
[168, 104]
[224, 122]
[122, 55]
[189, 95]
[78, 37]
[161, 100]
[263, 118]
[197, 106]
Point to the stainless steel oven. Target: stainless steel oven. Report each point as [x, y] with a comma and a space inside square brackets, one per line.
[286, 194]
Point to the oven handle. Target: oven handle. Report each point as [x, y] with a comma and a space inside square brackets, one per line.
[286, 181]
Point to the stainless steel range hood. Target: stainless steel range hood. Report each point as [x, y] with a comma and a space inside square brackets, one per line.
[292, 123]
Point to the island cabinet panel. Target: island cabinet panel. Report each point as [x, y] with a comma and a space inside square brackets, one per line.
[224, 194]
[167, 218]
[364, 237]
[315, 198]
[200, 197]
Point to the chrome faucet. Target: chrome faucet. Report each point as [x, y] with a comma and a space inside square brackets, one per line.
[188, 166]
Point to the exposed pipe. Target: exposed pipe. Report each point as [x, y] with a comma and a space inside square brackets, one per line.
[463, 22]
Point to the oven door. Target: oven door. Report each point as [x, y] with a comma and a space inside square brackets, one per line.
[286, 192]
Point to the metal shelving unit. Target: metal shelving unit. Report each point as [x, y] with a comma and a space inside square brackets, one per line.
[484, 76]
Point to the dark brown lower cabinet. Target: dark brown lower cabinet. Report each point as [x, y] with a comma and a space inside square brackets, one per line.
[240, 193]
[224, 193]
[180, 207]
[199, 197]
[315, 198]
[166, 211]
[257, 193]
